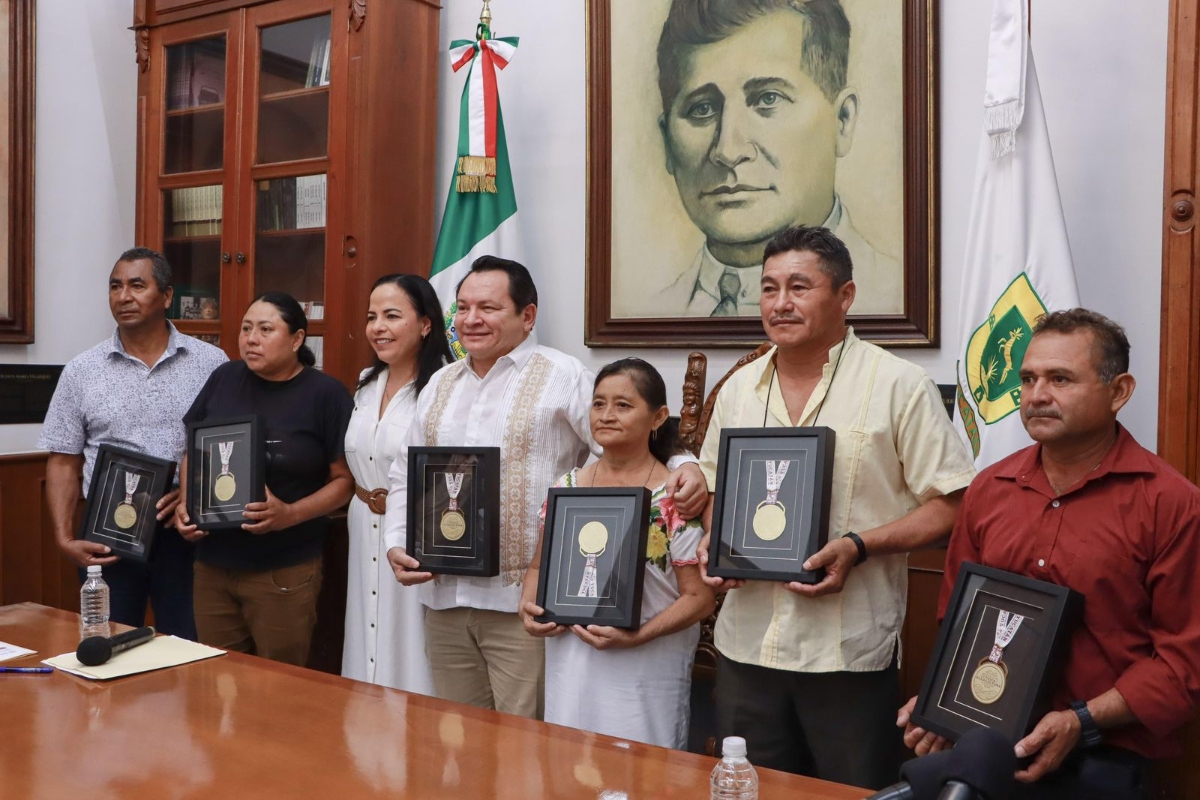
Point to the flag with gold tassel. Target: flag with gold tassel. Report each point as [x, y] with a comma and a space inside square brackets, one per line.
[481, 210]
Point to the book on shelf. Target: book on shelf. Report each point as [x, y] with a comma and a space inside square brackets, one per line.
[318, 64]
[291, 203]
[313, 309]
[196, 211]
[310, 201]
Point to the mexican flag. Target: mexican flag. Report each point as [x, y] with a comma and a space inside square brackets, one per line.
[481, 211]
[1018, 260]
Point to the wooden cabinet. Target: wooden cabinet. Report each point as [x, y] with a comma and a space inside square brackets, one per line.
[286, 145]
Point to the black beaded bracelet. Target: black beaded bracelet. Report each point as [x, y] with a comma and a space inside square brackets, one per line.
[862, 548]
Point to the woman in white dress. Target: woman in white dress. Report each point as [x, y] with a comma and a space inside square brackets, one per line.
[385, 628]
[633, 684]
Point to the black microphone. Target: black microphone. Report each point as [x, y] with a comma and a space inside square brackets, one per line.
[979, 767]
[96, 650]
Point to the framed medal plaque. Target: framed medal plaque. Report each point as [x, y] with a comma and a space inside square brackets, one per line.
[593, 561]
[226, 470]
[454, 510]
[771, 504]
[122, 495]
[999, 654]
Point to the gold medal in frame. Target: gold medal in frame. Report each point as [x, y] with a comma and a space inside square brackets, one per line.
[592, 566]
[123, 494]
[999, 654]
[771, 503]
[454, 510]
[226, 470]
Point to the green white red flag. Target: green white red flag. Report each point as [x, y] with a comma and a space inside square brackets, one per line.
[481, 210]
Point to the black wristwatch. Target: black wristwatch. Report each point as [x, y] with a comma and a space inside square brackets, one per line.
[1088, 729]
[862, 548]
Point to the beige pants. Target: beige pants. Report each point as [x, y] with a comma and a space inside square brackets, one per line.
[485, 659]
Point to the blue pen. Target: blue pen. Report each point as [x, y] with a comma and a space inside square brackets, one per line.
[28, 670]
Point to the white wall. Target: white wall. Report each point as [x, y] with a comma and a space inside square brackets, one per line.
[1103, 73]
[84, 179]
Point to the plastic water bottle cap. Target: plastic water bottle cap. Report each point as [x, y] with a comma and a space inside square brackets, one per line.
[94, 569]
[733, 747]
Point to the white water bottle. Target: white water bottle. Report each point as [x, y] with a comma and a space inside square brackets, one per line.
[93, 605]
[734, 778]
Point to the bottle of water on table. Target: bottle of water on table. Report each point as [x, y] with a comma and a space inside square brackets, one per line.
[734, 778]
[93, 605]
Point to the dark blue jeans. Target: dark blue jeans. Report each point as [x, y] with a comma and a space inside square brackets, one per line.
[165, 581]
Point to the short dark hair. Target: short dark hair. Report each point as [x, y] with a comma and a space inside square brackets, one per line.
[1111, 343]
[435, 348]
[651, 388]
[520, 283]
[824, 51]
[835, 257]
[293, 316]
[159, 266]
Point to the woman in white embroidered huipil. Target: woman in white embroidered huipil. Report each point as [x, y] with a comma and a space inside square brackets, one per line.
[633, 684]
[385, 639]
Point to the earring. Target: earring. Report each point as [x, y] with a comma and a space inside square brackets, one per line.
[654, 435]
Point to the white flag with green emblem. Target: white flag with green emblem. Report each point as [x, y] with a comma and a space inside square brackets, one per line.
[481, 211]
[1018, 259]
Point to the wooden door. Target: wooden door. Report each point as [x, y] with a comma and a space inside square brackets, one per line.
[1179, 365]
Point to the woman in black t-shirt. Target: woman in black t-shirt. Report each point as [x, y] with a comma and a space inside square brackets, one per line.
[256, 587]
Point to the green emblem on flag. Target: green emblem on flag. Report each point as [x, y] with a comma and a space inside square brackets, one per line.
[456, 347]
[996, 348]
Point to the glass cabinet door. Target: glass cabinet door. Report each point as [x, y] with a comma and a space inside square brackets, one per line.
[194, 136]
[290, 163]
[293, 99]
[289, 246]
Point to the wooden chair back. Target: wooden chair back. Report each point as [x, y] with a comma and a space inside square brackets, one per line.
[693, 425]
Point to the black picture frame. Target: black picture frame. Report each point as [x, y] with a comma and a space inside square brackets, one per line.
[737, 550]
[107, 508]
[619, 567]
[1033, 659]
[475, 551]
[247, 465]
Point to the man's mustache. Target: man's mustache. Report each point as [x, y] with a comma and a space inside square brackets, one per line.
[775, 320]
[1048, 413]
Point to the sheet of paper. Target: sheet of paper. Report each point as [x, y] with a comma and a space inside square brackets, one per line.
[162, 652]
[10, 651]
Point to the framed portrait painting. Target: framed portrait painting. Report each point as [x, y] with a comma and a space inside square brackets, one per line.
[710, 129]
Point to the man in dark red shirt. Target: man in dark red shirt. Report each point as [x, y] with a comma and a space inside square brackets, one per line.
[1089, 508]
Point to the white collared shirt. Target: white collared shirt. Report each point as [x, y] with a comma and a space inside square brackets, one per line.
[533, 404]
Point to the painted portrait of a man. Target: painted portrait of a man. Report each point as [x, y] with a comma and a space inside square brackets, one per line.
[764, 114]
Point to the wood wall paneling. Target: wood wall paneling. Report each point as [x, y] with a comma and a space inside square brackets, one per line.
[31, 567]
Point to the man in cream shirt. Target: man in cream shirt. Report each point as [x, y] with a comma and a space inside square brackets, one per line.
[533, 403]
[808, 674]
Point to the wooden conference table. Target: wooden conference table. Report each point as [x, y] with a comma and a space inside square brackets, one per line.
[240, 726]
